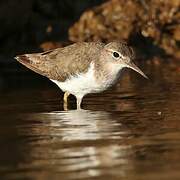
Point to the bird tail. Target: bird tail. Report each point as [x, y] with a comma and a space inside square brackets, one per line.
[32, 61]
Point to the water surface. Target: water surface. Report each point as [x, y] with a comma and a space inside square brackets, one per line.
[129, 132]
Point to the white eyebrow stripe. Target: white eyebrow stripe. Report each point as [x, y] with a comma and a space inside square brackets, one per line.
[111, 50]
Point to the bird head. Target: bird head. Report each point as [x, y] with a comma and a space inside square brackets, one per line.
[120, 55]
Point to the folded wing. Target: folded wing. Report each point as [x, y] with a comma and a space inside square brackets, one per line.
[61, 63]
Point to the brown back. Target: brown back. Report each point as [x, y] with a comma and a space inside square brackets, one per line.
[61, 63]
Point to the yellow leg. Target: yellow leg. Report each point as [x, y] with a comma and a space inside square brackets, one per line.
[66, 94]
[79, 101]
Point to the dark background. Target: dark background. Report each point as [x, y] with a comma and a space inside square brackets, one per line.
[24, 24]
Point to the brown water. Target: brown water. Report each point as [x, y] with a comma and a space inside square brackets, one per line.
[130, 132]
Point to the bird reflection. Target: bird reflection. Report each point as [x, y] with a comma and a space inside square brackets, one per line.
[84, 125]
[83, 143]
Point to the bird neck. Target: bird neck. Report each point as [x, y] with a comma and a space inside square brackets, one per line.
[107, 71]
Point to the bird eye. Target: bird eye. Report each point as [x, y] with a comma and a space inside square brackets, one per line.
[115, 54]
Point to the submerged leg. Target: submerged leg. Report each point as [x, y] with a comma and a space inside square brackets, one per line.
[66, 94]
[79, 100]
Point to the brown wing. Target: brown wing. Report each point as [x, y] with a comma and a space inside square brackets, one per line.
[61, 63]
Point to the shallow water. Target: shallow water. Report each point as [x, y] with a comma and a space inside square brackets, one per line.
[129, 132]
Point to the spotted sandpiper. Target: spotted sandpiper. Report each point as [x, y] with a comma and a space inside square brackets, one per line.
[82, 68]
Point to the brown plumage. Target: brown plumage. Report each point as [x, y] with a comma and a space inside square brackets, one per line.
[59, 64]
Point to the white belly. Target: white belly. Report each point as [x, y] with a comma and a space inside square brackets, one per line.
[83, 83]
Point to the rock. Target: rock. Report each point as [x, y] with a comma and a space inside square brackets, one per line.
[155, 21]
[50, 45]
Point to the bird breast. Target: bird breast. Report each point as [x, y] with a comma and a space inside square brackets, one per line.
[85, 83]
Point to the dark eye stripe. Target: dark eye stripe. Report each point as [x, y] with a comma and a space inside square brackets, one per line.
[115, 54]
